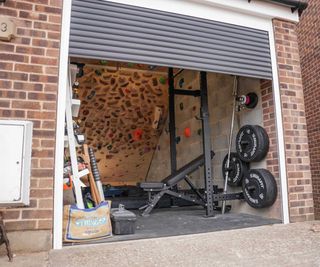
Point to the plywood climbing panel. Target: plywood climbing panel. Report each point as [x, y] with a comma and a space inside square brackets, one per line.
[119, 107]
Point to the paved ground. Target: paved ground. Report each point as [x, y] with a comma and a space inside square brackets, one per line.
[277, 245]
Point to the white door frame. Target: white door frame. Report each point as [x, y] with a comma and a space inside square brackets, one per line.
[60, 124]
[255, 15]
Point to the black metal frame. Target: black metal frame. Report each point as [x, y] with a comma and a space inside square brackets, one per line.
[210, 196]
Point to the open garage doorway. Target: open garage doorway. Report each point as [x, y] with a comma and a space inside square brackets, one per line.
[132, 71]
[125, 118]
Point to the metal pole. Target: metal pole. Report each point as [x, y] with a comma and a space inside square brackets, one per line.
[234, 93]
[172, 123]
[206, 136]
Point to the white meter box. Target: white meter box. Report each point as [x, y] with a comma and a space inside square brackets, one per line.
[15, 162]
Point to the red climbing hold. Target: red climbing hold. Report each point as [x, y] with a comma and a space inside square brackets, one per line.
[187, 132]
[137, 134]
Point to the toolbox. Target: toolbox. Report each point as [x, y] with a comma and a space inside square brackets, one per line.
[123, 221]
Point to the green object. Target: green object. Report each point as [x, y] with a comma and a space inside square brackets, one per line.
[90, 205]
[162, 80]
[181, 106]
[199, 131]
[103, 62]
[109, 147]
[98, 72]
[130, 65]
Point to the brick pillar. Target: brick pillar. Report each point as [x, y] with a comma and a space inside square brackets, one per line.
[294, 122]
[309, 40]
[28, 91]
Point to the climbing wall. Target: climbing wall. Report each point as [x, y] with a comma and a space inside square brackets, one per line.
[119, 116]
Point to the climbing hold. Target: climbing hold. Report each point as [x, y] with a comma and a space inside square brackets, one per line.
[187, 132]
[178, 139]
[181, 106]
[181, 82]
[151, 67]
[103, 62]
[130, 65]
[162, 80]
[109, 147]
[137, 134]
[91, 95]
[199, 131]
[98, 72]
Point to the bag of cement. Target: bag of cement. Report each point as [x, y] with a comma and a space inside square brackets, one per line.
[86, 224]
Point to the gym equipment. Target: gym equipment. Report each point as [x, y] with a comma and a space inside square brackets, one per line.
[234, 106]
[259, 188]
[236, 170]
[166, 185]
[252, 143]
[249, 100]
[211, 195]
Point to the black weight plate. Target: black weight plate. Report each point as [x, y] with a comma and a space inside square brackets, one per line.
[237, 169]
[252, 143]
[259, 188]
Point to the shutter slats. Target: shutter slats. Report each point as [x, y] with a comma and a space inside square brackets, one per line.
[111, 31]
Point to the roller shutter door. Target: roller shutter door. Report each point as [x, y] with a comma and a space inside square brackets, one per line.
[112, 31]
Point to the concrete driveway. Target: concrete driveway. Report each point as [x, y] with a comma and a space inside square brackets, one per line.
[275, 245]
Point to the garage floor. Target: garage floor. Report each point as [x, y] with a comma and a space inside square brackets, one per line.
[187, 220]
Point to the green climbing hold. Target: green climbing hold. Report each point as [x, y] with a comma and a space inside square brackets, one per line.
[103, 62]
[181, 106]
[130, 65]
[199, 131]
[98, 72]
[162, 80]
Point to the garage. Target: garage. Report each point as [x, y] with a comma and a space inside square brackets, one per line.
[169, 105]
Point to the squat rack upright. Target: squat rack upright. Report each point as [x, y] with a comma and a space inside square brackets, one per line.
[206, 134]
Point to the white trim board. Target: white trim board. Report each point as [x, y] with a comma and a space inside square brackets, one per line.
[61, 107]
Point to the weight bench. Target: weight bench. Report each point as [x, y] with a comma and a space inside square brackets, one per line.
[167, 184]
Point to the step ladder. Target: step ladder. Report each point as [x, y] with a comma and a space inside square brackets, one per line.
[72, 110]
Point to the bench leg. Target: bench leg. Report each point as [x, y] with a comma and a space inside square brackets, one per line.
[152, 203]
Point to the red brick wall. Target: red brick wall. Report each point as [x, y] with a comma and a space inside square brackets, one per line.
[28, 91]
[294, 122]
[309, 46]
